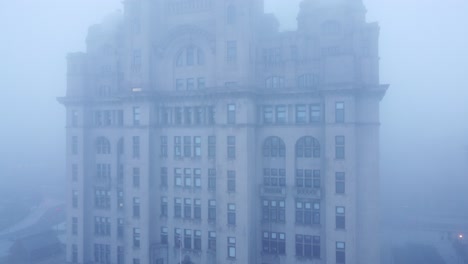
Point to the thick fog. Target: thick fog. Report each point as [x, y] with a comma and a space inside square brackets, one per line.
[424, 57]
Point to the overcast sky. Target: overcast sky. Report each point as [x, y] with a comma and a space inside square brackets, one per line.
[424, 56]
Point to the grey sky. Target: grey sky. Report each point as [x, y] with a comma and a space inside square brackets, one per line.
[424, 56]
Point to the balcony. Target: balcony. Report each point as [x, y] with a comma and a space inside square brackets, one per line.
[308, 192]
[273, 190]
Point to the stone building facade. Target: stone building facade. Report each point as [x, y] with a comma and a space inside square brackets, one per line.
[199, 133]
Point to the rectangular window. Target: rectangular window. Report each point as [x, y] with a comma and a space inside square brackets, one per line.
[231, 247]
[177, 147]
[164, 206]
[188, 239]
[211, 147]
[120, 174]
[177, 207]
[178, 177]
[316, 180]
[308, 246]
[231, 215]
[274, 243]
[231, 148]
[212, 240]
[197, 178]
[187, 208]
[199, 115]
[201, 83]
[212, 211]
[120, 255]
[268, 114]
[301, 116]
[75, 199]
[187, 146]
[102, 198]
[74, 172]
[339, 147]
[197, 240]
[102, 226]
[273, 211]
[103, 171]
[136, 177]
[211, 115]
[340, 253]
[231, 114]
[164, 236]
[136, 207]
[339, 112]
[120, 199]
[136, 147]
[136, 115]
[163, 180]
[74, 254]
[180, 84]
[197, 209]
[163, 148]
[281, 114]
[136, 237]
[197, 147]
[315, 113]
[120, 228]
[340, 186]
[178, 115]
[307, 213]
[231, 56]
[188, 115]
[340, 217]
[211, 179]
[187, 178]
[74, 145]
[101, 253]
[190, 84]
[74, 118]
[178, 238]
[231, 181]
[74, 226]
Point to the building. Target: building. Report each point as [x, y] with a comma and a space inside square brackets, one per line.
[199, 133]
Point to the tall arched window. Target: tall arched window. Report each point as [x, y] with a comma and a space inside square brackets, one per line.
[102, 145]
[307, 147]
[274, 147]
[190, 56]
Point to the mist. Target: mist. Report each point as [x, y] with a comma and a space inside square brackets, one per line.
[424, 125]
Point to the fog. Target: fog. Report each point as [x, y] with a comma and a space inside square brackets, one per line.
[424, 58]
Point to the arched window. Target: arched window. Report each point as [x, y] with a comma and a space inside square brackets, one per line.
[231, 15]
[307, 147]
[307, 81]
[274, 82]
[274, 147]
[190, 56]
[102, 145]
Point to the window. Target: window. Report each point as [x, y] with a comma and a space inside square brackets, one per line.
[211, 147]
[164, 206]
[101, 254]
[201, 83]
[163, 177]
[190, 56]
[187, 146]
[315, 113]
[197, 147]
[211, 179]
[166, 116]
[102, 146]
[340, 183]
[301, 116]
[231, 149]
[339, 112]
[197, 240]
[178, 238]
[231, 15]
[199, 115]
[180, 84]
[212, 211]
[136, 207]
[197, 209]
[102, 226]
[163, 147]
[74, 172]
[197, 178]
[136, 60]
[231, 247]
[307, 147]
[74, 226]
[273, 211]
[231, 52]
[120, 199]
[307, 213]
[178, 177]
[188, 239]
[231, 215]
[136, 237]
[231, 114]
[178, 115]
[120, 228]
[281, 114]
[136, 177]
[75, 199]
[340, 253]
[308, 178]
[187, 208]
[308, 246]
[340, 217]
[164, 236]
[120, 174]
[187, 115]
[177, 147]
[339, 147]
[211, 115]
[190, 84]
[120, 255]
[102, 198]
[103, 171]
[274, 82]
[74, 145]
[274, 147]
[212, 240]
[136, 147]
[136, 116]
[177, 207]
[274, 243]
[307, 81]
[231, 182]
[268, 114]
[274, 177]
[74, 253]
[187, 178]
